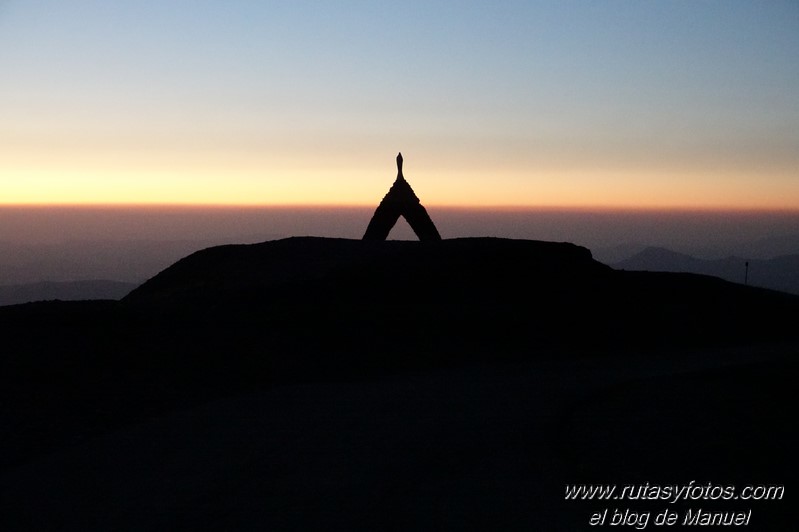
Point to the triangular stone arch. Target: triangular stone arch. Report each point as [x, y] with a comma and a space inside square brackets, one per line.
[401, 201]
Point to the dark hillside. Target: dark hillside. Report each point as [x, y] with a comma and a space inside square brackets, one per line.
[510, 293]
[311, 383]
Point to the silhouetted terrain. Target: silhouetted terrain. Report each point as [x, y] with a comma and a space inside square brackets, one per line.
[132, 244]
[313, 383]
[779, 273]
[66, 291]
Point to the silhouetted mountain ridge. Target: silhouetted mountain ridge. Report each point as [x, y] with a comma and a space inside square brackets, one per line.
[500, 290]
[229, 272]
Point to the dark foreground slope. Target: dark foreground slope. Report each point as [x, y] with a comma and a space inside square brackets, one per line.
[332, 384]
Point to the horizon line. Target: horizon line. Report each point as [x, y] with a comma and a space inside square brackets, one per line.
[474, 207]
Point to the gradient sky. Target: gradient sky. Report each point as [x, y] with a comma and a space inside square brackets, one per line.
[639, 104]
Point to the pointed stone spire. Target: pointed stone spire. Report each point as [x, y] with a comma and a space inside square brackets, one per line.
[401, 201]
[399, 167]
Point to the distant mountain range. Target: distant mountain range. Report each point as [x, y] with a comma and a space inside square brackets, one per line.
[780, 273]
[131, 261]
[64, 291]
[759, 249]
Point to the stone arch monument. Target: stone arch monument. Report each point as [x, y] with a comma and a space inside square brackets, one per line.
[401, 201]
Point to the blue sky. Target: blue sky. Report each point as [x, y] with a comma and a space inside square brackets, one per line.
[652, 104]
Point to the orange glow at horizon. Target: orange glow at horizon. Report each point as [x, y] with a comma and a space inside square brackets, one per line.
[367, 186]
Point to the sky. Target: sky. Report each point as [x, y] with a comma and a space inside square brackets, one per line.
[634, 104]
